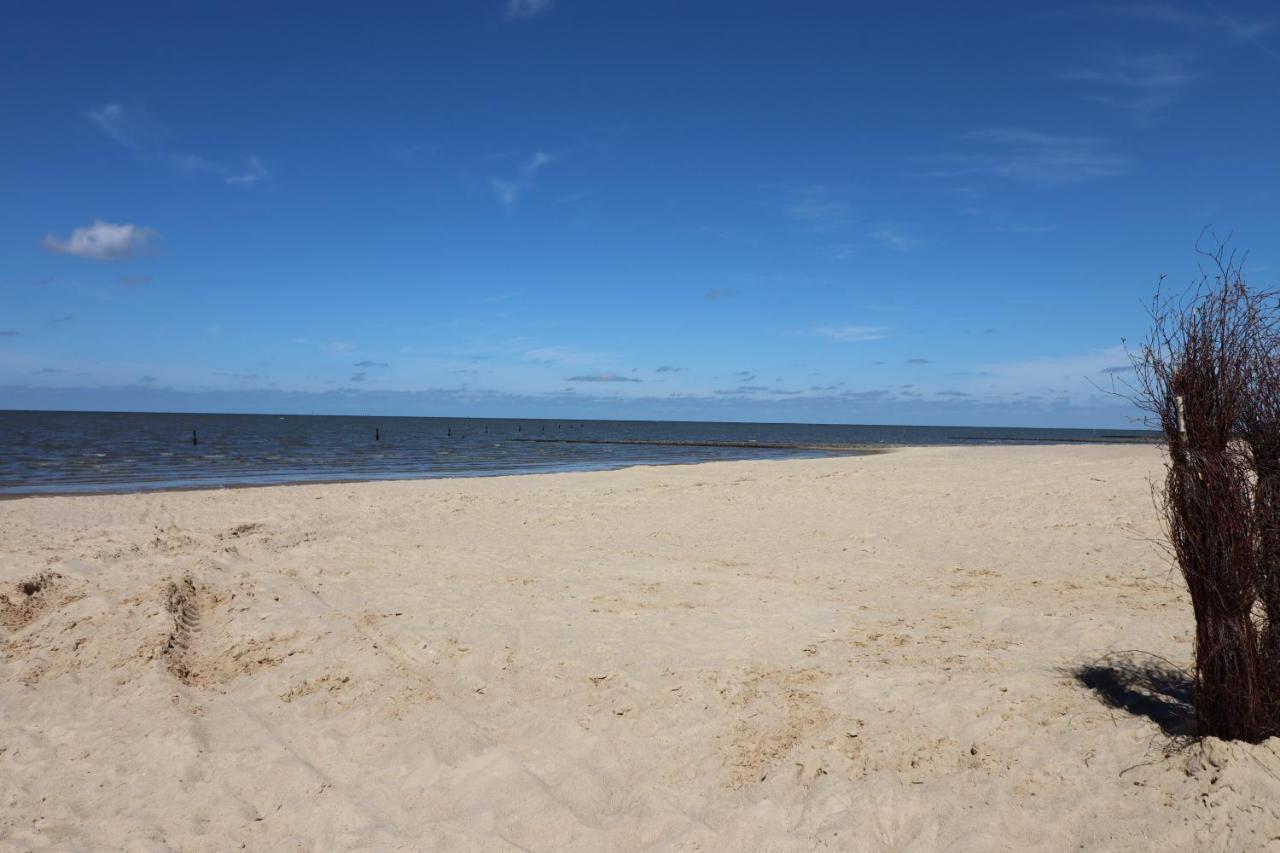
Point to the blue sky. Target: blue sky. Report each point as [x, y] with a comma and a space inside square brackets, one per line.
[934, 213]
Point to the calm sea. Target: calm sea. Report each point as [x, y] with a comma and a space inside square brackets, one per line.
[75, 452]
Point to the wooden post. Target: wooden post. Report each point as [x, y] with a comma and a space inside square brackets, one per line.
[194, 440]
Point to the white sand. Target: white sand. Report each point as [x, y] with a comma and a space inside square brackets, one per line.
[871, 653]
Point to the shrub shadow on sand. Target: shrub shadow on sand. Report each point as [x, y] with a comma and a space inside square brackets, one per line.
[1145, 686]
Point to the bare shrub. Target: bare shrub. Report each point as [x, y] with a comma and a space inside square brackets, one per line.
[1207, 374]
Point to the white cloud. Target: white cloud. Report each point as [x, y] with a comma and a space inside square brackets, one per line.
[852, 332]
[102, 241]
[509, 191]
[523, 10]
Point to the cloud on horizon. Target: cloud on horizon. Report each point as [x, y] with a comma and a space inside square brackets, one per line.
[603, 377]
[851, 332]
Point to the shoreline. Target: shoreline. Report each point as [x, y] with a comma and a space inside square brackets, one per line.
[803, 452]
[460, 475]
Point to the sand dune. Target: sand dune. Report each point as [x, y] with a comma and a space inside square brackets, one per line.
[873, 653]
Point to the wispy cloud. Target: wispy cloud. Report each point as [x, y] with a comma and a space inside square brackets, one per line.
[523, 10]
[509, 190]
[852, 332]
[716, 294]
[917, 361]
[137, 129]
[254, 172]
[359, 377]
[602, 377]
[1030, 157]
[565, 356]
[1141, 85]
[367, 363]
[134, 280]
[102, 241]
[666, 368]
[723, 233]
[133, 127]
[1214, 19]
[8, 333]
[893, 239]
[818, 210]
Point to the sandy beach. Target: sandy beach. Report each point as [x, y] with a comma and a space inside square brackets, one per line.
[920, 650]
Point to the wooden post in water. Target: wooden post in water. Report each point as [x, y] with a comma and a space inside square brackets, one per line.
[377, 434]
[194, 440]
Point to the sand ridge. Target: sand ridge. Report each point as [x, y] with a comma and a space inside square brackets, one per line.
[922, 650]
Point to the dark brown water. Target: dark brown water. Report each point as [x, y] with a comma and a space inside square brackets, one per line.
[72, 452]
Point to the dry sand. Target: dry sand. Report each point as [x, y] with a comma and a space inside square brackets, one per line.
[873, 653]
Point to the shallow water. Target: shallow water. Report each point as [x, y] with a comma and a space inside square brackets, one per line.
[74, 452]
